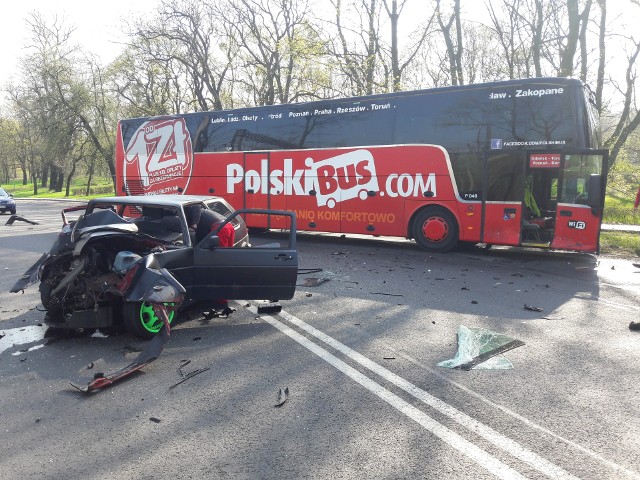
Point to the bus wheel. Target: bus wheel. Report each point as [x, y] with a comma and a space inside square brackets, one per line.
[435, 229]
[140, 320]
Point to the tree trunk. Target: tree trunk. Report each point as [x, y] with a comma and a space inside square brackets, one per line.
[536, 44]
[602, 58]
[90, 177]
[395, 67]
[60, 181]
[69, 177]
[45, 175]
[34, 177]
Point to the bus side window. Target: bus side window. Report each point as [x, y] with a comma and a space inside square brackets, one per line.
[504, 177]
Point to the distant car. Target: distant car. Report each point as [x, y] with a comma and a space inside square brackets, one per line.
[105, 265]
[7, 203]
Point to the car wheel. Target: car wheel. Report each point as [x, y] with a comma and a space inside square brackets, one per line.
[435, 229]
[49, 303]
[140, 320]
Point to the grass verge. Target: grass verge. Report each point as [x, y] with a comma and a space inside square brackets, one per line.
[620, 244]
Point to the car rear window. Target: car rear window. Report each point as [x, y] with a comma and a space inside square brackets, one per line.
[222, 209]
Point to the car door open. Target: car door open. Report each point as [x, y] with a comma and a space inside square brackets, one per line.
[267, 270]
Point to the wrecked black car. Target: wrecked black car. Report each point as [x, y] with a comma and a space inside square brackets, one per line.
[110, 267]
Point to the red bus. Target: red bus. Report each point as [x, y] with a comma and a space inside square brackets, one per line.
[504, 163]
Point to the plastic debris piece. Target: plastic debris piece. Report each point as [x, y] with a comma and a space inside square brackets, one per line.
[387, 294]
[189, 375]
[183, 363]
[223, 313]
[635, 326]
[313, 282]
[152, 350]
[533, 309]
[283, 395]
[155, 420]
[13, 218]
[269, 307]
[480, 348]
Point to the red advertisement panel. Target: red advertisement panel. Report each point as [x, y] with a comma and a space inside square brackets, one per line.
[158, 159]
[544, 160]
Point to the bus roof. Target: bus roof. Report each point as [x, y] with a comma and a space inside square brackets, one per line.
[547, 81]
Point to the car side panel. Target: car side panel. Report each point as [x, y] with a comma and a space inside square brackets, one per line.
[262, 273]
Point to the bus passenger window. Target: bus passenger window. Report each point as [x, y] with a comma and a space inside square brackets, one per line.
[504, 177]
[578, 169]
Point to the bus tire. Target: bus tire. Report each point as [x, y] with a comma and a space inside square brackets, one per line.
[140, 320]
[435, 229]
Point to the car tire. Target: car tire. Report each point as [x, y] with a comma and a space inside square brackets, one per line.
[48, 303]
[435, 229]
[140, 320]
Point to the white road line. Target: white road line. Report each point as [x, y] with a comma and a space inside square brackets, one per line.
[510, 446]
[486, 460]
[622, 306]
[596, 456]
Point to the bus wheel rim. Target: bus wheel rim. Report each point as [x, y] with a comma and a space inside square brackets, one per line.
[435, 229]
[149, 320]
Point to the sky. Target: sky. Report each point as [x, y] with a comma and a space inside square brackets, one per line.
[97, 26]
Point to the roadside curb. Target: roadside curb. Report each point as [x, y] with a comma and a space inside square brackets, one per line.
[606, 227]
[36, 199]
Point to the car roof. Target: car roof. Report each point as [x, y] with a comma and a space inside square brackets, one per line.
[163, 200]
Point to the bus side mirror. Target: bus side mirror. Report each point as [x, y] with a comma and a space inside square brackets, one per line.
[595, 191]
[213, 242]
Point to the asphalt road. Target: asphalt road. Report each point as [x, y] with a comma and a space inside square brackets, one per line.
[358, 349]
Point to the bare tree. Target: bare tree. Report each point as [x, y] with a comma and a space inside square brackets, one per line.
[356, 49]
[40, 98]
[9, 150]
[145, 86]
[453, 40]
[189, 28]
[279, 49]
[400, 62]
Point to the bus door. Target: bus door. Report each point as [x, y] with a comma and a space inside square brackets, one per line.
[256, 188]
[581, 190]
[502, 197]
[540, 198]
